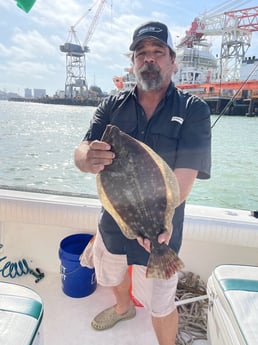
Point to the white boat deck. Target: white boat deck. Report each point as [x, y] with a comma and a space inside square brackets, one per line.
[32, 226]
[66, 320]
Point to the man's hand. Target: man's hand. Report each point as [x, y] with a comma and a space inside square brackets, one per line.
[93, 156]
[162, 238]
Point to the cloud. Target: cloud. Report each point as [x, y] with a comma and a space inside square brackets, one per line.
[29, 48]
[4, 51]
[5, 5]
[29, 45]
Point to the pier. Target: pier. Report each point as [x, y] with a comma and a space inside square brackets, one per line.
[231, 98]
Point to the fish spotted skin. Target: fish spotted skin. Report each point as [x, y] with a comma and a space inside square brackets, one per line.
[141, 192]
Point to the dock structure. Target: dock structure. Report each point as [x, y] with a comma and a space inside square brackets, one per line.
[91, 102]
[233, 98]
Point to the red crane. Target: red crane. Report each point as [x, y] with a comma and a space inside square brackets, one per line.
[235, 27]
[247, 18]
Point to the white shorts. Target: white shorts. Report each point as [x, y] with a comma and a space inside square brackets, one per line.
[156, 295]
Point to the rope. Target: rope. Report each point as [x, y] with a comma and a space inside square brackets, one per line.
[18, 269]
[192, 315]
[13, 269]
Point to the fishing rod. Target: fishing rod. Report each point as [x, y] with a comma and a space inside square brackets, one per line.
[235, 95]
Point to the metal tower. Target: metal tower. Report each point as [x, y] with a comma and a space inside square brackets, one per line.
[235, 28]
[76, 81]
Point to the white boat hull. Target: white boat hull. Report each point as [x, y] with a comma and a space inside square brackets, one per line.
[32, 226]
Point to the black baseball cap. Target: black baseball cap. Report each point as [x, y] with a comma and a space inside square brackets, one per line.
[153, 30]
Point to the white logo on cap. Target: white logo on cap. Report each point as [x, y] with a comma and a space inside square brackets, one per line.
[149, 29]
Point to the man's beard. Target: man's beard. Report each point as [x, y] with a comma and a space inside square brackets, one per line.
[149, 77]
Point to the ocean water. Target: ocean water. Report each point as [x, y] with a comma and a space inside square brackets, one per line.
[37, 143]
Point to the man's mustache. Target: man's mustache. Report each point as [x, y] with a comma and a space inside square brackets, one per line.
[149, 67]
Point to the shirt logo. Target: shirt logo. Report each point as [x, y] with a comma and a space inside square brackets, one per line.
[177, 119]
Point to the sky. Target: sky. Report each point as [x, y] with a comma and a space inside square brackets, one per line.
[29, 42]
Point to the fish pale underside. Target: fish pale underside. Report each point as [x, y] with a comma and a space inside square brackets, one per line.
[141, 192]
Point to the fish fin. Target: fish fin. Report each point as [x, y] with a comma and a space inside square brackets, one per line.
[163, 263]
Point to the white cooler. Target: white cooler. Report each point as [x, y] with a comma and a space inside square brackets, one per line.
[21, 312]
[233, 305]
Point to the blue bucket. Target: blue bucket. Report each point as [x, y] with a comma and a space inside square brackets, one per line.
[77, 281]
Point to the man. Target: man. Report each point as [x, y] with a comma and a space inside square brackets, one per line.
[177, 127]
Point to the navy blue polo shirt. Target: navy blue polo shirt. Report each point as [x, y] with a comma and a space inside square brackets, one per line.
[179, 131]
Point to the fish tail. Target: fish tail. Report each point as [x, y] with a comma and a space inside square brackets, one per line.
[163, 263]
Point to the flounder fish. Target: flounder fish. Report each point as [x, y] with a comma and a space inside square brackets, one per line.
[141, 192]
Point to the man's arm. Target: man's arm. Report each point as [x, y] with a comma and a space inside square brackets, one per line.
[185, 178]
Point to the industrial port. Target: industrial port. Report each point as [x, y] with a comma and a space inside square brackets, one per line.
[229, 82]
